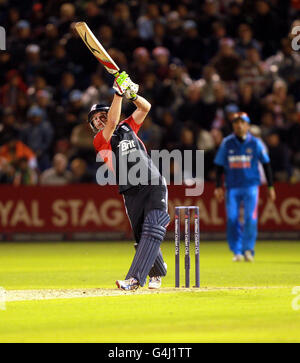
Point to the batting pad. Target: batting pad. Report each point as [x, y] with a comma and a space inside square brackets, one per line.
[159, 268]
[154, 230]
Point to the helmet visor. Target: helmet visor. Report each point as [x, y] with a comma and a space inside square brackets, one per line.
[98, 120]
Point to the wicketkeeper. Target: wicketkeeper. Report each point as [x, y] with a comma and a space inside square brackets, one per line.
[146, 203]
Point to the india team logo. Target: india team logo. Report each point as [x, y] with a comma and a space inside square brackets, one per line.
[239, 161]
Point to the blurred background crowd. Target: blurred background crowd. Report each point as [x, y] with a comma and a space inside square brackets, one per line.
[197, 62]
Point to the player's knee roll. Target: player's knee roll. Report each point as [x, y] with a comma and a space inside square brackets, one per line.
[156, 223]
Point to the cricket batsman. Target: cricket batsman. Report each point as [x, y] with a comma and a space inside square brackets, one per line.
[238, 158]
[146, 203]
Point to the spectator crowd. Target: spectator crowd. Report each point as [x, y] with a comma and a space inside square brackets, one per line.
[197, 62]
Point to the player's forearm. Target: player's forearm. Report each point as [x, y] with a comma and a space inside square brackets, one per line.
[142, 104]
[219, 174]
[268, 174]
[114, 113]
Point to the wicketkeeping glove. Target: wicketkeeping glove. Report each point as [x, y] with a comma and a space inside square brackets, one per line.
[132, 90]
[121, 83]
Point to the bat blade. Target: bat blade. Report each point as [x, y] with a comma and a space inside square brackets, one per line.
[96, 48]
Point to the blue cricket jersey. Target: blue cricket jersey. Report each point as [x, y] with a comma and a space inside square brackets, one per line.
[240, 160]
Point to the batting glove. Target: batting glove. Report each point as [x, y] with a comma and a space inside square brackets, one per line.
[121, 83]
[132, 90]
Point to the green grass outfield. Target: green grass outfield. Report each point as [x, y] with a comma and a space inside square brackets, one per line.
[237, 302]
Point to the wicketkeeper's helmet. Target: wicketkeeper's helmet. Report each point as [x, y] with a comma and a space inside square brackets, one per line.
[94, 109]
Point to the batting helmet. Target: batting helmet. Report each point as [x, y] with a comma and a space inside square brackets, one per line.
[94, 109]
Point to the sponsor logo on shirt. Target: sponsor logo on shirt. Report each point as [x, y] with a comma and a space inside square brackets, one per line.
[127, 146]
[239, 161]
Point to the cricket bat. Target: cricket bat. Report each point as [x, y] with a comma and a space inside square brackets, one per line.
[96, 48]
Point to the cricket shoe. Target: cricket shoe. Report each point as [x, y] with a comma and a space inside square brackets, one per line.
[238, 258]
[128, 285]
[248, 256]
[154, 282]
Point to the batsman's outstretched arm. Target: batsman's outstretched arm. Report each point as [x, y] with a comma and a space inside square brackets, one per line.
[113, 117]
[142, 109]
